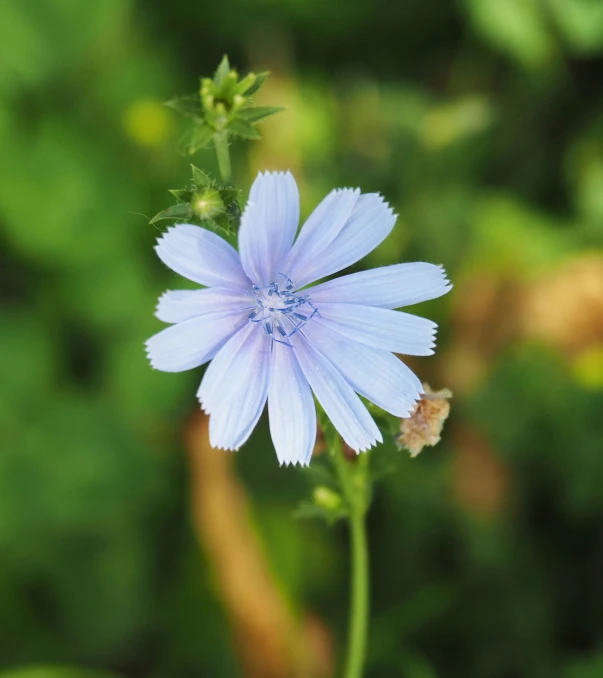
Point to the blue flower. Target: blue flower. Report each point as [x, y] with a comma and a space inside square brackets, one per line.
[272, 338]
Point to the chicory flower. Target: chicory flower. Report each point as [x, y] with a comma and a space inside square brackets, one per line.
[271, 338]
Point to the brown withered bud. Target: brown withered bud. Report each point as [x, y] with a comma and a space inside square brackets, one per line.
[424, 426]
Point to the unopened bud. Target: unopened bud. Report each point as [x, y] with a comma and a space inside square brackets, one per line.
[207, 204]
[326, 498]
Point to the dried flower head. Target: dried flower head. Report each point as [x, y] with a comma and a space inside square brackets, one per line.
[424, 426]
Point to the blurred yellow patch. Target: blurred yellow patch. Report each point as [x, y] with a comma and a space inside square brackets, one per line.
[147, 123]
[451, 122]
[588, 368]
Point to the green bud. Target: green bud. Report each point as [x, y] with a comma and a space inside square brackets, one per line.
[222, 107]
[229, 85]
[207, 204]
[247, 82]
[327, 498]
[222, 71]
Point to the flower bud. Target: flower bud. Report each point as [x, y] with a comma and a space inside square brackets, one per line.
[207, 204]
[326, 498]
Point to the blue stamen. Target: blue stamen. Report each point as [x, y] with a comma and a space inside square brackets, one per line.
[284, 311]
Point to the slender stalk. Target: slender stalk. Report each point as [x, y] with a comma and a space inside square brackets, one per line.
[223, 156]
[359, 598]
[353, 477]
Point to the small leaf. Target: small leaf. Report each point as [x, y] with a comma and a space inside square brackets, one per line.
[189, 106]
[243, 129]
[229, 195]
[222, 223]
[180, 211]
[260, 78]
[200, 179]
[256, 113]
[181, 194]
[196, 139]
[222, 71]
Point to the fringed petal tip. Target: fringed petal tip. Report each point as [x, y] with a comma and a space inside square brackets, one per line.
[300, 463]
[369, 446]
[275, 173]
[445, 279]
[224, 449]
[412, 407]
[160, 305]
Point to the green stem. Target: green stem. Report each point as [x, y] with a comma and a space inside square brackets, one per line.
[359, 598]
[223, 155]
[353, 477]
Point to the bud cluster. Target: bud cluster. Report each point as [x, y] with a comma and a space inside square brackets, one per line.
[223, 106]
[205, 203]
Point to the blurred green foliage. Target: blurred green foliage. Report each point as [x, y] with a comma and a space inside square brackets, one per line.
[481, 122]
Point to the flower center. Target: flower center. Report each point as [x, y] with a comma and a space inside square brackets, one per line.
[281, 311]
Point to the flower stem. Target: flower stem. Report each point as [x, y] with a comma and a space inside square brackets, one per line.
[223, 156]
[359, 598]
[353, 479]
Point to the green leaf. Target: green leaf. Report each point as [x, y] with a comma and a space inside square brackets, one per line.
[260, 78]
[243, 129]
[519, 28]
[182, 195]
[196, 139]
[222, 223]
[200, 179]
[222, 71]
[189, 106]
[256, 113]
[229, 195]
[174, 212]
[581, 23]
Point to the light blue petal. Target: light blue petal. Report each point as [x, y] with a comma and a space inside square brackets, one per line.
[268, 226]
[235, 410]
[343, 407]
[175, 306]
[221, 378]
[370, 222]
[201, 256]
[320, 229]
[377, 375]
[387, 287]
[192, 342]
[291, 408]
[382, 328]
